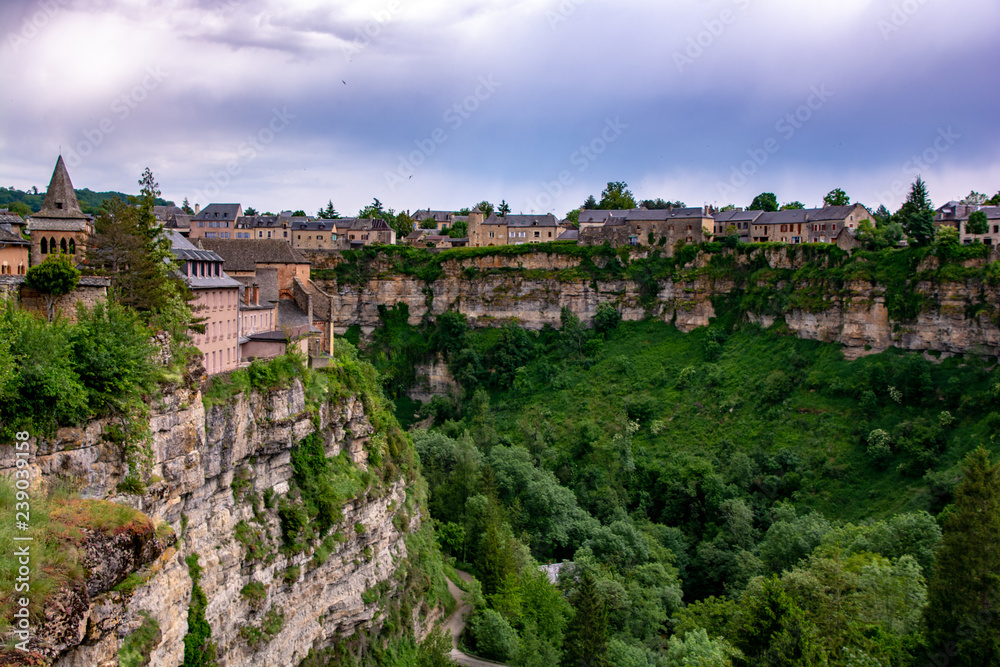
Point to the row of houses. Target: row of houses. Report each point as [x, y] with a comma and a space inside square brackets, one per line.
[227, 221]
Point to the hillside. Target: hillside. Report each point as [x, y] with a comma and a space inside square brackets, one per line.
[90, 202]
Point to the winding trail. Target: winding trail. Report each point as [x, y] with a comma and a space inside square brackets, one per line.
[456, 623]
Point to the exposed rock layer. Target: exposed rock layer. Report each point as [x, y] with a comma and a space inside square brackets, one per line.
[495, 289]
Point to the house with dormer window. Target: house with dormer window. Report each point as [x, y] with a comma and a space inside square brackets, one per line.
[216, 221]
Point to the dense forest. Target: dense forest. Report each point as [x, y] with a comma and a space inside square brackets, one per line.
[732, 496]
[27, 202]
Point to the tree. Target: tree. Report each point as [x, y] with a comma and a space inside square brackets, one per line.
[586, 643]
[328, 213]
[459, 230]
[298, 214]
[573, 216]
[773, 629]
[974, 199]
[402, 224]
[250, 211]
[20, 208]
[616, 196]
[765, 201]
[836, 197]
[53, 278]
[964, 594]
[977, 223]
[485, 207]
[607, 318]
[503, 209]
[946, 235]
[428, 223]
[792, 205]
[916, 215]
[186, 207]
[994, 200]
[590, 203]
[881, 215]
[659, 204]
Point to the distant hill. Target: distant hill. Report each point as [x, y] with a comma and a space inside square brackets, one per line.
[91, 202]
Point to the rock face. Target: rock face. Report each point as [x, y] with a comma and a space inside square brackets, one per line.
[198, 453]
[525, 289]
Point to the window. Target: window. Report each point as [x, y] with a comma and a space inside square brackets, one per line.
[45, 246]
[201, 223]
[784, 228]
[20, 269]
[72, 247]
[63, 247]
[537, 234]
[59, 204]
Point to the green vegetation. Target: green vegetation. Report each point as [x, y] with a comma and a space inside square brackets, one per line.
[90, 202]
[743, 471]
[270, 625]
[199, 650]
[139, 644]
[57, 524]
[54, 277]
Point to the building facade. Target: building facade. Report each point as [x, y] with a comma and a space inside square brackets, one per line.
[215, 221]
[60, 227]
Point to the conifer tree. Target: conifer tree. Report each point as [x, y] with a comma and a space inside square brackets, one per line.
[917, 214]
[586, 642]
[964, 594]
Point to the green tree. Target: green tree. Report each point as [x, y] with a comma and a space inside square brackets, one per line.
[916, 215]
[590, 203]
[765, 201]
[329, 212]
[503, 209]
[773, 629]
[586, 643]
[20, 208]
[428, 223]
[299, 213]
[250, 211]
[573, 216]
[659, 204]
[994, 200]
[186, 207]
[975, 199]
[53, 278]
[946, 235]
[485, 207]
[977, 224]
[792, 205]
[964, 594]
[616, 196]
[836, 197]
[607, 318]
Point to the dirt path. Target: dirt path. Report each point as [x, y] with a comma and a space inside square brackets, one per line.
[456, 623]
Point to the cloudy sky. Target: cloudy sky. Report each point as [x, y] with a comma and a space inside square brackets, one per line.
[285, 104]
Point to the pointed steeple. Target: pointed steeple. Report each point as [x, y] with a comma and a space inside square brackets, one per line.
[60, 199]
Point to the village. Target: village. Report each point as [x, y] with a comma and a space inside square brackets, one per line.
[250, 273]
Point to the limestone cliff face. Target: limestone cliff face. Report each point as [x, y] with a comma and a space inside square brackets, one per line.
[197, 455]
[525, 289]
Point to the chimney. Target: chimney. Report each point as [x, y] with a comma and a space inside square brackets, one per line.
[197, 207]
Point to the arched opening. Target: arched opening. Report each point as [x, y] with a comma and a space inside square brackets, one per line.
[20, 269]
[72, 246]
[52, 244]
[45, 246]
[62, 246]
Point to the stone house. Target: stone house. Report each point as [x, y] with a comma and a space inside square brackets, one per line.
[511, 229]
[215, 221]
[217, 299]
[366, 231]
[807, 225]
[443, 220]
[60, 226]
[956, 214]
[738, 218]
[659, 227]
[316, 235]
[827, 222]
[246, 258]
[15, 250]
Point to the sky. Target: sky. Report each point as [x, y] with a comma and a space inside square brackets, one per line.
[289, 104]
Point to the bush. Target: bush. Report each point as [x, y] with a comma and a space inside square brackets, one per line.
[495, 638]
[139, 644]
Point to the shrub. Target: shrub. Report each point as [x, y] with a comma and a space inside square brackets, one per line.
[495, 638]
[140, 643]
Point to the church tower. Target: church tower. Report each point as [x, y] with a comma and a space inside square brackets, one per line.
[61, 226]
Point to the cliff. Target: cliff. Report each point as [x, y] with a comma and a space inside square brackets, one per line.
[821, 293]
[221, 479]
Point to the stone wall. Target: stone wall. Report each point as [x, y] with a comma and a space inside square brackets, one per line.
[90, 291]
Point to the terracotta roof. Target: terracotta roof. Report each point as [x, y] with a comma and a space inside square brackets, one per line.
[245, 254]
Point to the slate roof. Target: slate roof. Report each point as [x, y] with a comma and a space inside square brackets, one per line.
[954, 210]
[599, 216]
[60, 210]
[245, 254]
[10, 218]
[9, 236]
[805, 215]
[736, 215]
[273, 221]
[569, 235]
[219, 212]
[314, 225]
[663, 213]
[544, 220]
[186, 251]
[438, 216]
[164, 212]
[60, 199]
